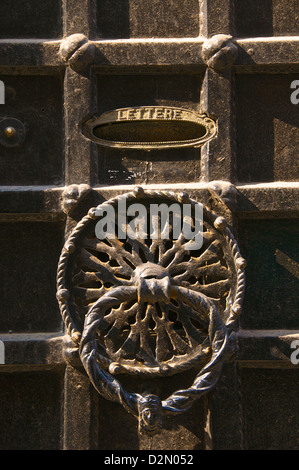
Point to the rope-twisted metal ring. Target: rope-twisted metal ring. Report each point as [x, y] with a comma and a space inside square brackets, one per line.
[108, 386]
[151, 307]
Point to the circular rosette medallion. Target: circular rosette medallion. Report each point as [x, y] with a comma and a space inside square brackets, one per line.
[140, 277]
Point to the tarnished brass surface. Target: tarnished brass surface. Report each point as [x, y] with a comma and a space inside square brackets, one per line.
[12, 132]
[148, 127]
[151, 307]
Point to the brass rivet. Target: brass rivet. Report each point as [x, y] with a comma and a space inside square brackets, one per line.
[241, 263]
[114, 368]
[92, 213]
[184, 197]
[237, 309]
[10, 132]
[207, 350]
[138, 191]
[70, 247]
[76, 336]
[220, 223]
[63, 295]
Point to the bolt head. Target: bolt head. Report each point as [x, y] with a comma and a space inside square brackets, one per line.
[220, 223]
[241, 263]
[237, 310]
[207, 350]
[184, 197]
[70, 247]
[71, 44]
[76, 337]
[62, 295]
[92, 213]
[10, 132]
[114, 368]
[138, 191]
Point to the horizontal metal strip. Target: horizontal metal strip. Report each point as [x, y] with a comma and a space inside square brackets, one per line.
[265, 200]
[268, 199]
[30, 202]
[268, 51]
[255, 348]
[30, 53]
[149, 52]
[267, 346]
[32, 349]
[252, 200]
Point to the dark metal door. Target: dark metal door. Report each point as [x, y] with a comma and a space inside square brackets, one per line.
[61, 62]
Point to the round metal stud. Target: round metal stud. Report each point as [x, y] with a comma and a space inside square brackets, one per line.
[237, 310]
[92, 213]
[220, 223]
[70, 247]
[12, 132]
[138, 191]
[241, 263]
[76, 337]
[184, 197]
[114, 368]
[63, 295]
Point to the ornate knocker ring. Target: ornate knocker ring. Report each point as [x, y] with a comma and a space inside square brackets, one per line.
[151, 307]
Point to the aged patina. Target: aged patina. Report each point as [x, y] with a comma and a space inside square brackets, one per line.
[151, 306]
[63, 63]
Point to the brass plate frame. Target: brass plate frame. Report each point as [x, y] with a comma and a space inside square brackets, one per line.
[150, 114]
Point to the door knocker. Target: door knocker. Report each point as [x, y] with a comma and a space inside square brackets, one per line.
[150, 306]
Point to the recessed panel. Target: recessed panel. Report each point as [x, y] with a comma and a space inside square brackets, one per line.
[267, 128]
[266, 18]
[272, 274]
[132, 166]
[31, 19]
[30, 411]
[34, 104]
[270, 409]
[29, 254]
[143, 19]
